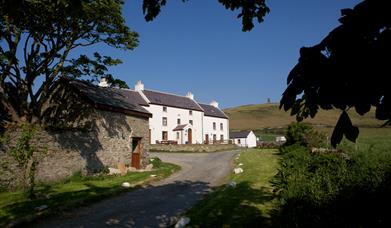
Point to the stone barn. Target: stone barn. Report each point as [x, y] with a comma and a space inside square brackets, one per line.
[87, 128]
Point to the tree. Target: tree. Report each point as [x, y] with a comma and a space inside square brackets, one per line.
[37, 39]
[249, 10]
[347, 69]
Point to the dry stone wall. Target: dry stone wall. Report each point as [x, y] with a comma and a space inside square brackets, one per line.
[192, 148]
[104, 143]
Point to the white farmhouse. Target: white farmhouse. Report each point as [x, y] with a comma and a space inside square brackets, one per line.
[244, 138]
[215, 124]
[180, 119]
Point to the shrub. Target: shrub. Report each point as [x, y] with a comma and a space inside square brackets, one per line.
[156, 162]
[305, 135]
[329, 190]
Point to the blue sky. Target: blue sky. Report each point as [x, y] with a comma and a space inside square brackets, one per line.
[198, 46]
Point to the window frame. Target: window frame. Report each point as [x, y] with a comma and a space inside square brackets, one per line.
[164, 121]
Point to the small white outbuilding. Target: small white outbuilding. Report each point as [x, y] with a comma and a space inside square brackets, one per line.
[244, 138]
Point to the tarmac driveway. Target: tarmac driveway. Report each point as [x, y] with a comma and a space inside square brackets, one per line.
[156, 205]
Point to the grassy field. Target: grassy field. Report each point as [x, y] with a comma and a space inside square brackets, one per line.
[270, 116]
[268, 121]
[78, 190]
[250, 203]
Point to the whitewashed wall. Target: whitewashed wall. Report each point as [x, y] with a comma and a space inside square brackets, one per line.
[208, 128]
[250, 141]
[172, 114]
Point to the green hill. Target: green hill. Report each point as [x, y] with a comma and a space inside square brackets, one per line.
[268, 118]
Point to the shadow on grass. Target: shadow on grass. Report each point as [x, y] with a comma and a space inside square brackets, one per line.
[233, 207]
[58, 202]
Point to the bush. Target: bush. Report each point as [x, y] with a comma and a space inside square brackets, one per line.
[156, 162]
[305, 135]
[330, 190]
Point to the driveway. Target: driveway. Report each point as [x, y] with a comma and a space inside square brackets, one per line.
[156, 205]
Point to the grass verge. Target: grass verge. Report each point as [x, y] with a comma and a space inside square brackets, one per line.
[77, 191]
[251, 203]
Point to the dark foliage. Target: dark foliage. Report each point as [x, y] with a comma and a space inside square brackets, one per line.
[37, 42]
[249, 10]
[333, 189]
[304, 135]
[347, 69]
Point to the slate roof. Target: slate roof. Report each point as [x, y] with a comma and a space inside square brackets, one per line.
[171, 100]
[110, 99]
[239, 134]
[134, 96]
[180, 127]
[210, 110]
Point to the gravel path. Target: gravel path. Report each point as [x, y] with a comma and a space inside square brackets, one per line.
[158, 204]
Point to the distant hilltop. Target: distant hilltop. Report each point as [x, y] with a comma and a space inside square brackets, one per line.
[263, 116]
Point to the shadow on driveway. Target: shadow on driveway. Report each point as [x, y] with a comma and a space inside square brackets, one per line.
[152, 206]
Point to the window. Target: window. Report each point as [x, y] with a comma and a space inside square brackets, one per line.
[164, 135]
[238, 141]
[164, 121]
[164, 109]
[190, 112]
[177, 135]
[191, 122]
[178, 121]
[221, 126]
[214, 125]
[214, 137]
[221, 137]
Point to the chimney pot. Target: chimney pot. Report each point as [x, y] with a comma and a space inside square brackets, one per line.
[190, 95]
[139, 86]
[103, 82]
[214, 104]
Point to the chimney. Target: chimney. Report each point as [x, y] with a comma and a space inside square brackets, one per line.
[190, 95]
[214, 104]
[139, 86]
[103, 82]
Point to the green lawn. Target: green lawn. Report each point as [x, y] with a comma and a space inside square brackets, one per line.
[251, 203]
[77, 191]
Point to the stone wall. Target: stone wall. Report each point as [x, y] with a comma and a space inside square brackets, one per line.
[105, 141]
[191, 148]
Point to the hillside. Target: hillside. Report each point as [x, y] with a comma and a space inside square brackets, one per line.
[265, 116]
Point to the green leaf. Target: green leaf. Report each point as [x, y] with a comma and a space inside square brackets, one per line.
[344, 127]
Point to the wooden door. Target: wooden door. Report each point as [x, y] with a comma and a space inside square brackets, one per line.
[136, 152]
[206, 139]
[189, 136]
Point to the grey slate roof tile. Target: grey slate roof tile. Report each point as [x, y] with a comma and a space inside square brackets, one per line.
[109, 98]
[210, 110]
[171, 100]
[239, 134]
[180, 127]
[134, 96]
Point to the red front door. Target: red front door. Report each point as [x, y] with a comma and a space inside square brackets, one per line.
[136, 152]
[189, 136]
